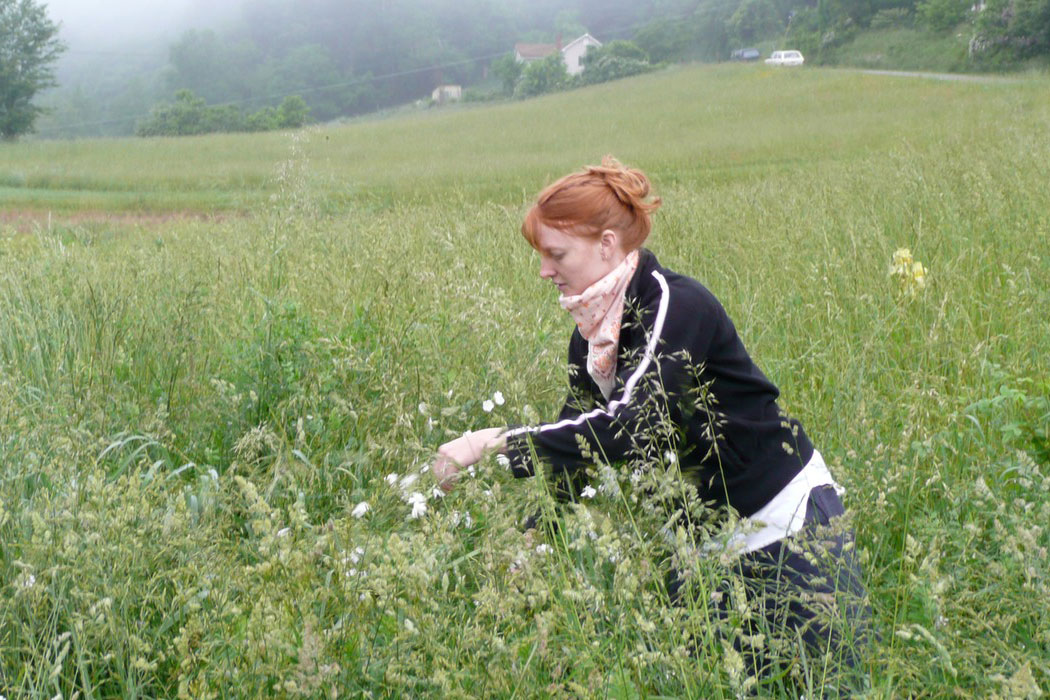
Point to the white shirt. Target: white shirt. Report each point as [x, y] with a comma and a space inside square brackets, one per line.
[785, 514]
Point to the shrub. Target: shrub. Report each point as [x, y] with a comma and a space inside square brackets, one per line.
[617, 59]
[943, 15]
[189, 114]
[891, 18]
[539, 77]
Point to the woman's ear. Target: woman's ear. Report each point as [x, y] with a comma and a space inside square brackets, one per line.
[610, 244]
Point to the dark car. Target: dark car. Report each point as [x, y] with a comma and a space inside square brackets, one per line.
[745, 55]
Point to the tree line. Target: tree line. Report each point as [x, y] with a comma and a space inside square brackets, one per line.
[347, 57]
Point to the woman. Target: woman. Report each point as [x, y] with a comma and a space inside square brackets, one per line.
[652, 341]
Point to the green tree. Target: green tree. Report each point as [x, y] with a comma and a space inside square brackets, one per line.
[942, 15]
[292, 112]
[666, 40]
[1009, 31]
[508, 70]
[712, 24]
[567, 24]
[546, 75]
[215, 67]
[28, 49]
[310, 67]
[753, 20]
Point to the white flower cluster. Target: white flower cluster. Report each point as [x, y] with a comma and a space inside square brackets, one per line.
[419, 504]
[464, 518]
[489, 404]
[351, 560]
[416, 501]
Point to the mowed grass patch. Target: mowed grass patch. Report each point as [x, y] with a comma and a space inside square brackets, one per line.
[192, 410]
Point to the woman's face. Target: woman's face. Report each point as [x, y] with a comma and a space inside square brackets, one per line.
[574, 263]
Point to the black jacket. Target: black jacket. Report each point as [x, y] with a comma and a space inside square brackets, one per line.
[681, 366]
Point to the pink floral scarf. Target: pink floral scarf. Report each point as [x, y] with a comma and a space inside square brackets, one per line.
[598, 311]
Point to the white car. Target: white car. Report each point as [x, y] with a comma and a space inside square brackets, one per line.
[785, 58]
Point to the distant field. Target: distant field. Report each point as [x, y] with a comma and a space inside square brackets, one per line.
[213, 349]
[694, 125]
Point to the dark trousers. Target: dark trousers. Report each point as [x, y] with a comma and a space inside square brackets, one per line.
[796, 610]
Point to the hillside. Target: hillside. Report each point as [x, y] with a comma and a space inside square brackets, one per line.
[214, 350]
[697, 124]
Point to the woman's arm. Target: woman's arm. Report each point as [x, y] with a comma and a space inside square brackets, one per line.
[464, 451]
[678, 335]
[470, 447]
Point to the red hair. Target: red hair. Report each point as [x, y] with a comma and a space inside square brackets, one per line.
[600, 197]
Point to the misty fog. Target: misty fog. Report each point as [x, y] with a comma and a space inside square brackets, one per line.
[127, 59]
[89, 24]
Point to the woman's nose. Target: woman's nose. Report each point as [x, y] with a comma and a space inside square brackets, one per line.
[546, 270]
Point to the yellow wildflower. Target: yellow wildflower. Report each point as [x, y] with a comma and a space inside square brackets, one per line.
[909, 273]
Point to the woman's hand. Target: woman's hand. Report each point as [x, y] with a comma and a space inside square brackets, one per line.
[445, 472]
[463, 452]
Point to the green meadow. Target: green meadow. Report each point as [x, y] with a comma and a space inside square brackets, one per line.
[214, 349]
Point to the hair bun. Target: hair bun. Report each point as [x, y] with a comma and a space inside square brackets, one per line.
[630, 186]
[593, 200]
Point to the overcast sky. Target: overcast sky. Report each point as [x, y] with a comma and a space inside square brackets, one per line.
[113, 23]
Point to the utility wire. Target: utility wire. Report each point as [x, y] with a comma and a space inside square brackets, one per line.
[333, 86]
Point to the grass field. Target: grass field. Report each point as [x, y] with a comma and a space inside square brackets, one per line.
[213, 349]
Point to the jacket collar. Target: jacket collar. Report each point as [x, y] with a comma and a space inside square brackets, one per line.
[647, 262]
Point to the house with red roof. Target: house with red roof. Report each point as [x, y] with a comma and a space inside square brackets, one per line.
[572, 53]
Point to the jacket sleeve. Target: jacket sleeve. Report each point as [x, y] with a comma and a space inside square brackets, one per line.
[676, 336]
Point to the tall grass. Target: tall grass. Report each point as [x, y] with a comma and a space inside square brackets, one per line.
[191, 410]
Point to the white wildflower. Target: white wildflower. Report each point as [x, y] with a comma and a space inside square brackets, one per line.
[355, 556]
[487, 406]
[437, 493]
[670, 457]
[419, 504]
[406, 483]
[392, 479]
[588, 491]
[503, 460]
[360, 509]
[498, 398]
[544, 549]
[422, 408]
[284, 532]
[463, 518]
